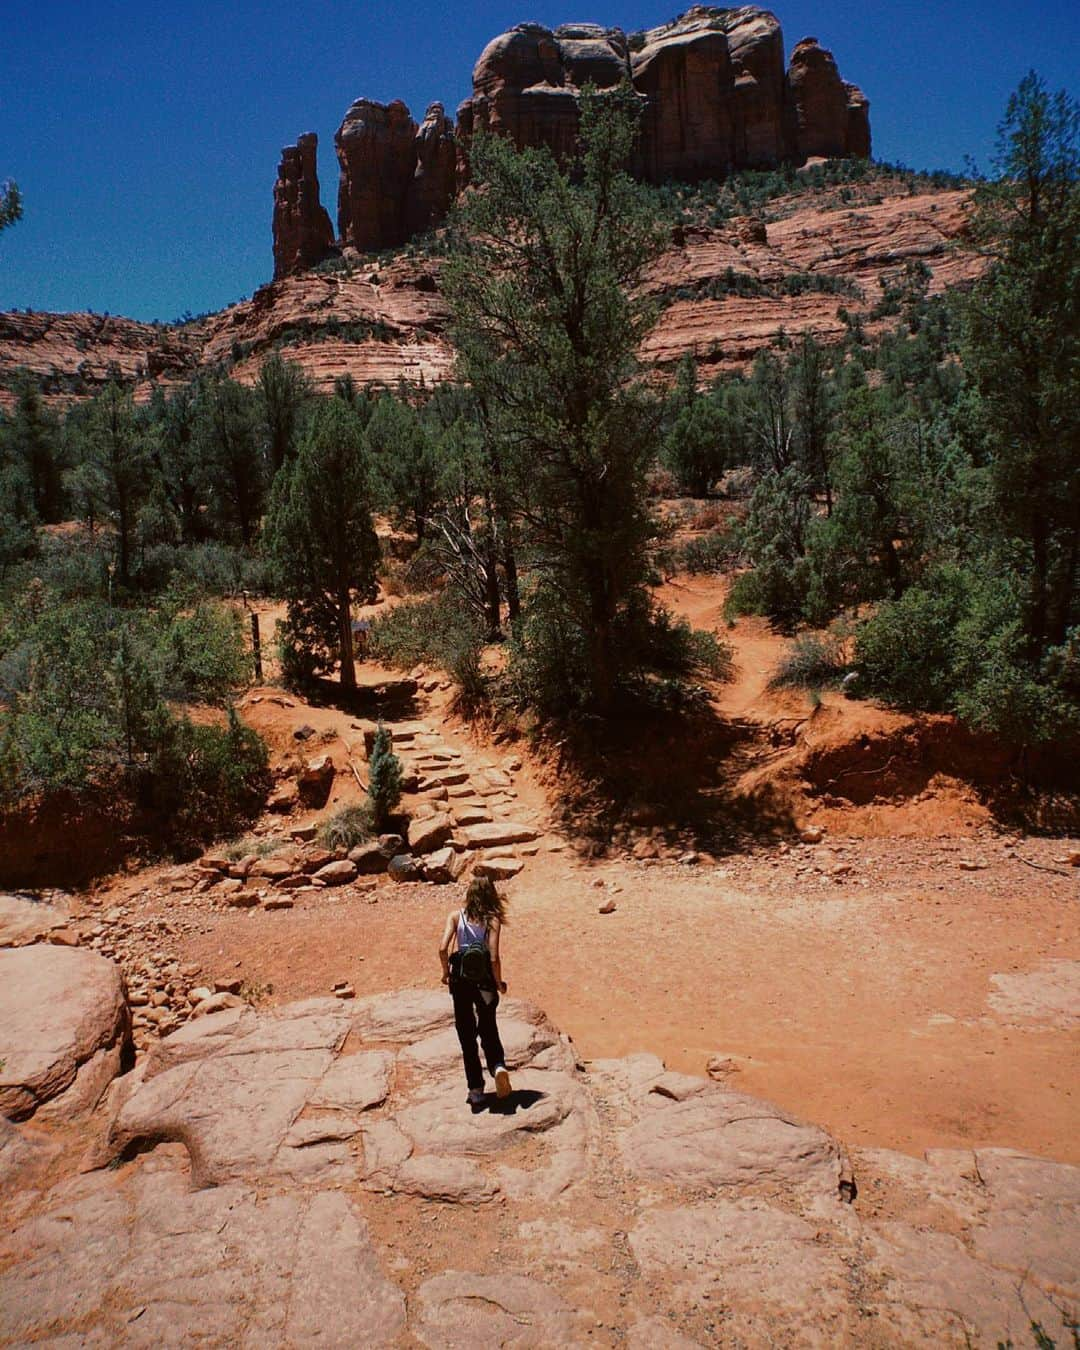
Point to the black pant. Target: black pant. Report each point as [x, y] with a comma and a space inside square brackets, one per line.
[474, 1017]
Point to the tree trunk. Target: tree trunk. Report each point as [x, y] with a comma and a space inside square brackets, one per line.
[348, 659]
[513, 595]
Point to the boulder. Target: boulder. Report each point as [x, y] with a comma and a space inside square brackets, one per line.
[425, 836]
[64, 1030]
[303, 234]
[337, 873]
[404, 867]
[443, 866]
[369, 859]
[315, 781]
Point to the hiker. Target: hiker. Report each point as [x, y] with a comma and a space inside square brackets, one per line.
[469, 953]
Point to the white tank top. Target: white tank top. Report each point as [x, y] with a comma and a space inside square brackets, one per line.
[470, 934]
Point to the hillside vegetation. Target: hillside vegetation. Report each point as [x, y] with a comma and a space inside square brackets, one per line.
[915, 485]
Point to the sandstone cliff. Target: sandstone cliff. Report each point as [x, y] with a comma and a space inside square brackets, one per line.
[716, 98]
[812, 255]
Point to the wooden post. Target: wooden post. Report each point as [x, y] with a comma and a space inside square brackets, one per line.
[256, 646]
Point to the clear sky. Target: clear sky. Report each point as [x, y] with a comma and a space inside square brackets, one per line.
[145, 134]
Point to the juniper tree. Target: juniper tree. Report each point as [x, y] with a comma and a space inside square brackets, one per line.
[321, 539]
[384, 778]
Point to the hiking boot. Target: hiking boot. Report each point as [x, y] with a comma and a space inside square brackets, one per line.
[502, 1082]
[476, 1096]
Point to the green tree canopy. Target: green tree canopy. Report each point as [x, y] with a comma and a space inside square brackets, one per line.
[321, 539]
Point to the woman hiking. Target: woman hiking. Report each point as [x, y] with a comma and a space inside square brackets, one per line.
[469, 952]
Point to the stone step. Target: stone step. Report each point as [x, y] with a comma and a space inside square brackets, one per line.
[497, 832]
[498, 869]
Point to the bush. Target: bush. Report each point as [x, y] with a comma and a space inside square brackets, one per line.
[439, 631]
[774, 538]
[812, 661]
[205, 780]
[347, 827]
[653, 643]
[384, 778]
[955, 643]
[712, 552]
[203, 654]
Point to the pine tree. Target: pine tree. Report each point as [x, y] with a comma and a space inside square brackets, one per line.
[1023, 353]
[283, 389]
[321, 539]
[34, 441]
[229, 443]
[404, 457]
[548, 317]
[115, 448]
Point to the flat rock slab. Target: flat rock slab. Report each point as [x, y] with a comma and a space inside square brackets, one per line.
[725, 1140]
[497, 832]
[146, 1261]
[230, 1092]
[356, 1082]
[541, 1100]
[1048, 996]
[748, 1255]
[24, 918]
[458, 1309]
[440, 1053]
[628, 1204]
[64, 1027]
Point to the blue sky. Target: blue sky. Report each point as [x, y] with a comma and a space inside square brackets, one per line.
[145, 136]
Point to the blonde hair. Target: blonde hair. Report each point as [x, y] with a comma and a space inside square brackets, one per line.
[483, 902]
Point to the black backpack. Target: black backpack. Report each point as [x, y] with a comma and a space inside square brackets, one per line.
[474, 964]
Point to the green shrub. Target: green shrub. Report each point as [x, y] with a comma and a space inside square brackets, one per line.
[203, 654]
[205, 781]
[347, 827]
[774, 542]
[384, 778]
[440, 631]
[955, 643]
[813, 661]
[907, 651]
[712, 552]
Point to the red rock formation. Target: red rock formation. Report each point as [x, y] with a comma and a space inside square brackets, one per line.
[377, 153]
[715, 94]
[865, 233]
[302, 231]
[397, 179]
[434, 180]
[831, 119]
[858, 109]
[717, 97]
